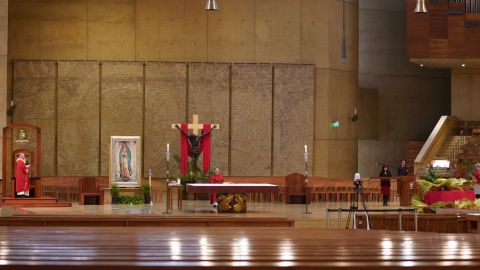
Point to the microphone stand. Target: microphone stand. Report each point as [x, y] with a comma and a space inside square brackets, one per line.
[150, 184]
[167, 209]
[305, 155]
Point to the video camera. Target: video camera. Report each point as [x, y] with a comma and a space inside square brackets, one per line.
[357, 180]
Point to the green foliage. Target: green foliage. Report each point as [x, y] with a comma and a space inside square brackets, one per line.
[136, 199]
[418, 204]
[146, 188]
[442, 184]
[431, 175]
[194, 175]
[115, 190]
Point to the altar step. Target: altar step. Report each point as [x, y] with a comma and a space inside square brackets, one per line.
[144, 221]
[35, 202]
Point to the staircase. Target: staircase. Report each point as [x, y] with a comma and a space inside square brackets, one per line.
[34, 202]
[452, 148]
[471, 150]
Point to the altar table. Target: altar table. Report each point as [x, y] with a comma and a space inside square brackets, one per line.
[448, 196]
[232, 198]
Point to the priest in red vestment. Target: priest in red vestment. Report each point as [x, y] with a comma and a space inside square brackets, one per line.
[215, 178]
[22, 185]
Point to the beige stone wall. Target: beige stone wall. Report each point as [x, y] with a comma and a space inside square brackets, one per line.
[35, 100]
[251, 83]
[278, 31]
[78, 118]
[293, 118]
[3, 67]
[80, 104]
[122, 105]
[209, 97]
[165, 103]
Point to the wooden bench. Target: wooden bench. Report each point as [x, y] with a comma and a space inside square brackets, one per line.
[233, 248]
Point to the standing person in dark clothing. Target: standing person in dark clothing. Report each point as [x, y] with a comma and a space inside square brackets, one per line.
[402, 168]
[385, 184]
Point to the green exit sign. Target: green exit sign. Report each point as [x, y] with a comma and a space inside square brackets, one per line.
[335, 124]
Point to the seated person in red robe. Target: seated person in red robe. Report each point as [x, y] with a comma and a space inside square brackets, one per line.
[215, 178]
[476, 176]
[22, 185]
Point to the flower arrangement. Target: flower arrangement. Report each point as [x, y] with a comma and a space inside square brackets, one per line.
[422, 207]
[432, 182]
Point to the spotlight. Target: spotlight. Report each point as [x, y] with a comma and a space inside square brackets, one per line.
[211, 5]
[421, 7]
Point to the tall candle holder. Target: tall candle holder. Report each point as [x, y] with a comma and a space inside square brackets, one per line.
[305, 156]
[150, 172]
[167, 203]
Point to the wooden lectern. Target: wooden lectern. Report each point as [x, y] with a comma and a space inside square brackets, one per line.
[10, 150]
[405, 186]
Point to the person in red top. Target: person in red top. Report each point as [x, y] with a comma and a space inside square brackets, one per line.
[385, 175]
[215, 178]
[476, 176]
[22, 185]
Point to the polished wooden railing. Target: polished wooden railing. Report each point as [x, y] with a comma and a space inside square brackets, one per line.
[443, 129]
[233, 248]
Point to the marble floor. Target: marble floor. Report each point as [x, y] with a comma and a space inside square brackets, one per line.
[317, 218]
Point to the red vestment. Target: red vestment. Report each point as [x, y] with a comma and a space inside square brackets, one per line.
[215, 179]
[21, 177]
[476, 175]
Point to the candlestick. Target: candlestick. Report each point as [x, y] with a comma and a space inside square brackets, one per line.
[150, 184]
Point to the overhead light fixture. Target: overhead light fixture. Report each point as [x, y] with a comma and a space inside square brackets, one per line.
[343, 56]
[463, 65]
[211, 5]
[421, 7]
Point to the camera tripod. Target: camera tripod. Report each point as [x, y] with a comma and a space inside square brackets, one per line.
[357, 195]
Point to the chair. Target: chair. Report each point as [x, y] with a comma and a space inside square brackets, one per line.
[296, 188]
[88, 187]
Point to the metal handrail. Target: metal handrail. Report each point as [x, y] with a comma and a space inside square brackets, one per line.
[399, 211]
[471, 6]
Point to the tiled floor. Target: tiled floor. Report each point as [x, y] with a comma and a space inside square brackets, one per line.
[317, 218]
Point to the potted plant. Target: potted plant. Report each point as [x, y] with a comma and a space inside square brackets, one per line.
[115, 191]
[146, 188]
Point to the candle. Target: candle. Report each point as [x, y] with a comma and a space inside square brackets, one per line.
[306, 148]
[11, 102]
[168, 147]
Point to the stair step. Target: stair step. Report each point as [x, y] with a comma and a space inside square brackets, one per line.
[35, 202]
[41, 204]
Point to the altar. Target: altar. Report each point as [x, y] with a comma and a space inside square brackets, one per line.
[232, 198]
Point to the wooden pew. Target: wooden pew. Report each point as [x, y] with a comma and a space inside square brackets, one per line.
[130, 248]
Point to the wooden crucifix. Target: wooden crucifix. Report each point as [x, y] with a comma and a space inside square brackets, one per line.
[197, 143]
[195, 126]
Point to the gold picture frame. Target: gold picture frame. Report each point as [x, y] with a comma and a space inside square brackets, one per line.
[125, 161]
